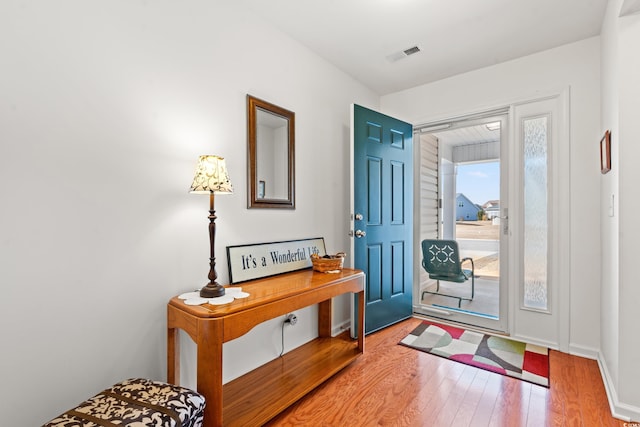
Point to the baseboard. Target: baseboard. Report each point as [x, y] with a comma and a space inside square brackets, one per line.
[340, 328]
[619, 410]
[536, 341]
[582, 351]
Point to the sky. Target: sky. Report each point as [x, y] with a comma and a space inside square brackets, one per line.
[480, 182]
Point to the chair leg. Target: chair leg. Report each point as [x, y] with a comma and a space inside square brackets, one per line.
[473, 286]
[444, 295]
[427, 292]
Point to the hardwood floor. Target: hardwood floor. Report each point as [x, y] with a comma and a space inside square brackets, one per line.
[392, 385]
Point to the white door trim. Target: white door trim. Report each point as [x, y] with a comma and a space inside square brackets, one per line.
[561, 221]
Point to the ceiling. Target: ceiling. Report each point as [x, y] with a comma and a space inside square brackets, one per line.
[454, 36]
[466, 135]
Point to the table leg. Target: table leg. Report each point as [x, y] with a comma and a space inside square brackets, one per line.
[361, 321]
[324, 318]
[209, 375]
[173, 356]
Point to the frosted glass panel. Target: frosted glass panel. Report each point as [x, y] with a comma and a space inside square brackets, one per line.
[535, 213]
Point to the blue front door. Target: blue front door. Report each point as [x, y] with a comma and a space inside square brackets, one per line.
[383, 224]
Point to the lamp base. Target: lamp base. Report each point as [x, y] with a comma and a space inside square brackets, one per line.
[212, 290]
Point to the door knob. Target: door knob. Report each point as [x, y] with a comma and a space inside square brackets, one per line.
[360, 233]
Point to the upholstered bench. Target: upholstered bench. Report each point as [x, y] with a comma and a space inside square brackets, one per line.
[137, 402]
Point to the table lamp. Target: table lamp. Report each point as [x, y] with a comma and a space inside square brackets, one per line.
[211, 178]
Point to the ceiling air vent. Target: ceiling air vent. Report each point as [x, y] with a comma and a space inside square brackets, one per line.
[412, 50]
[402, 54]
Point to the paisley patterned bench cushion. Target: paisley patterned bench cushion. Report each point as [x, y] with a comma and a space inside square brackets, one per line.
[137, 403]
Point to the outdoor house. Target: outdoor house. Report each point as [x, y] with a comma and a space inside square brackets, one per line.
[466, 210]
[492, 208]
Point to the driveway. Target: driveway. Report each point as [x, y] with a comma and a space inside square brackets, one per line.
[480, 240]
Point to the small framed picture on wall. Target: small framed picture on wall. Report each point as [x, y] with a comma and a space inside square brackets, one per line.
[605, 153]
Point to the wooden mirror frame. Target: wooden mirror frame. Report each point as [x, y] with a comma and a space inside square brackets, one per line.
[253, 104]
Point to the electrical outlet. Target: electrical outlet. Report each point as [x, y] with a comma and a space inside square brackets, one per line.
[291, 318]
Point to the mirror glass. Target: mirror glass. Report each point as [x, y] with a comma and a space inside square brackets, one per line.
[271, 155]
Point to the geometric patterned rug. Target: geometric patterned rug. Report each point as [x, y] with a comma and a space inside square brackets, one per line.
[527, 362]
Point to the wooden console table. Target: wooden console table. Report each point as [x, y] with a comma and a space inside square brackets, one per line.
[261, 394]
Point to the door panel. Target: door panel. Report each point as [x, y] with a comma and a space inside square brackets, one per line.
[374, 186]
[374, 273]
[383, 202]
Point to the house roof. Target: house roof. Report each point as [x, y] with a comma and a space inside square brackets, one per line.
[491, 204]
[461, 195]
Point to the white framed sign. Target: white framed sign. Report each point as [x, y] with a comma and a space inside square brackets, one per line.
[248, 262]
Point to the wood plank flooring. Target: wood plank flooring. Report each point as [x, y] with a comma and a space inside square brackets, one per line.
[392, 385]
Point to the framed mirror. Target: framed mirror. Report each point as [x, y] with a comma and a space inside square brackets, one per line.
[271, 141]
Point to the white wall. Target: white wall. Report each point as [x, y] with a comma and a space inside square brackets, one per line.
[610, 329]
[629, 177]
[576, 65]
[620, 352]
[104, 108]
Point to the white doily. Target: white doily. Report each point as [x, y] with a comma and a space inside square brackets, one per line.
[194, 298]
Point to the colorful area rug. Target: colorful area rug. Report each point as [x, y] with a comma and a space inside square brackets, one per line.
[527, 362]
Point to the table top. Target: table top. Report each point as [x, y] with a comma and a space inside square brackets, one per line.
[269, 289]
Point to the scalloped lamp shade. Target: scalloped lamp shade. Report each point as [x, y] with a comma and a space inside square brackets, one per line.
[211, 176]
